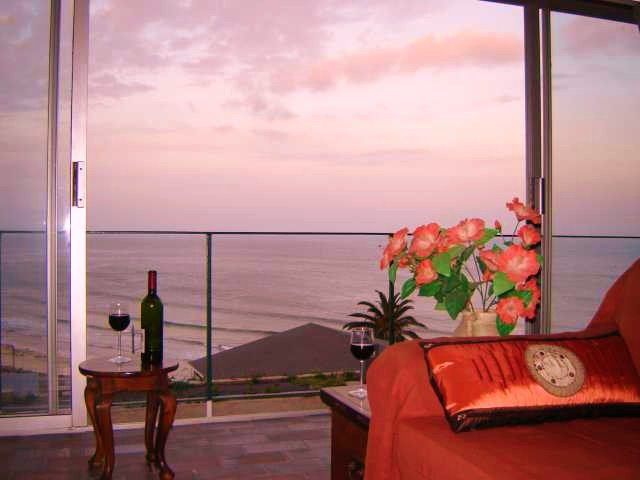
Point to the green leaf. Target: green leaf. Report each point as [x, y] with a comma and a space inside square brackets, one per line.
[524, 295]
[496, 249]
[442, 263]
[504, 329]
[501, 284]
[430, 289]
[408, 287]
[540, 259]
[456, 301]
[489, 233]
[455, 251]
[440, 306]
[393, 269]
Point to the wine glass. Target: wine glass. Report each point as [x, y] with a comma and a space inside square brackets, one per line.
[119, 320]
[362, 348]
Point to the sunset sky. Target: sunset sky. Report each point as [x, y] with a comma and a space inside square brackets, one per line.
[329, 115]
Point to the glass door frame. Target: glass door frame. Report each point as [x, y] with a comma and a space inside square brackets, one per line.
[22, 424]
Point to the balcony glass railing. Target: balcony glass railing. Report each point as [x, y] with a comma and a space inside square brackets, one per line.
[252, 314]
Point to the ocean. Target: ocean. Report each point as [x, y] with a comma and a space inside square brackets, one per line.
[262, 284]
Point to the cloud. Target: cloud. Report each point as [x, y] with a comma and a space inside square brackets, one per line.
[583, 36]
[464, 48]
[24, 56]
[109, 86]
[259, 105]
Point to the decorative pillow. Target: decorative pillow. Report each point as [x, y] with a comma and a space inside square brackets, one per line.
[491, 382]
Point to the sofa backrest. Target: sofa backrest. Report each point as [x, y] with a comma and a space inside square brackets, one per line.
[620, 310]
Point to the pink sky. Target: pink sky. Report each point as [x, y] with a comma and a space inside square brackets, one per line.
[340, 116]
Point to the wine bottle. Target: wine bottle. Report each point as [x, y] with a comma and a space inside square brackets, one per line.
[151, 312]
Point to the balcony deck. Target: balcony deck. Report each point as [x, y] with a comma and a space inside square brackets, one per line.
[284, 448]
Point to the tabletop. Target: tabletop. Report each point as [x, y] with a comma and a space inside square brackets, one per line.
[102, 367]
[339, 397]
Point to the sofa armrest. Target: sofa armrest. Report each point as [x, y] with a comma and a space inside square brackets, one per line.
[398, 388]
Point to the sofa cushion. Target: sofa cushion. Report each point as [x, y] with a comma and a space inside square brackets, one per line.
[598, 449]
[484, 382]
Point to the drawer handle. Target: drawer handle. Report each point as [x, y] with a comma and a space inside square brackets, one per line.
[355, 470]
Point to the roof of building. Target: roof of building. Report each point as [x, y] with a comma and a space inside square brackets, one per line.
[305, 349]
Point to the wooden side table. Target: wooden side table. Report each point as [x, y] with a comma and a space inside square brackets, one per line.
[104, 379]
[349, 429]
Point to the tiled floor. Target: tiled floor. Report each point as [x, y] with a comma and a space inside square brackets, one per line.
[289, 448]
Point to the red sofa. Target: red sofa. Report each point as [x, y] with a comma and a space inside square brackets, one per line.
[410, 439]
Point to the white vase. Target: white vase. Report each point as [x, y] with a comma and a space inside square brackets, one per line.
[476, 324]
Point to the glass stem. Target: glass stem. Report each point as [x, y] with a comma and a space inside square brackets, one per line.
[119, 344]
[361, 374]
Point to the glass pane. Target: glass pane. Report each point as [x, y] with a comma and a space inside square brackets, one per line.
[63, 204]
[310, 117]
[596, 73]
[24, 56]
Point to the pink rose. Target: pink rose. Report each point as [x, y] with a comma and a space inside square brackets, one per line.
[490, 259]
[425, 239]
[467, 231]
[523, 212]
[396, 244]
[517, 263]
[445, 242]
[425, 273]
[529, 235]
[509, 309]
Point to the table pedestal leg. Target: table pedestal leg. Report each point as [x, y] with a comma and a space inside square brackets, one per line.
[167, 414]
[103, 417]
[90, 392]
[150, 426]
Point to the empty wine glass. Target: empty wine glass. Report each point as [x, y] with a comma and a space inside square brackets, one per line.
[362, 348]
[119, 320]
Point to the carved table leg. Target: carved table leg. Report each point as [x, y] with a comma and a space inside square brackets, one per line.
[90, 392]
[167, 414]
[150, 426]
[103, 417]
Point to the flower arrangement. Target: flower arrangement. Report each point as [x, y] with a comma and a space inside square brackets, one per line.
[453, 264]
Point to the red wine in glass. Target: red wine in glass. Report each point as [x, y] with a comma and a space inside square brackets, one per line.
[362, 352]
[119, 320]
[362, 348]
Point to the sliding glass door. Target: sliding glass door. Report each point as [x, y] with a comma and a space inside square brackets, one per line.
[596, 172]
[35, 247]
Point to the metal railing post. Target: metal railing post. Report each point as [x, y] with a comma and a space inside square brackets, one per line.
[209, 317]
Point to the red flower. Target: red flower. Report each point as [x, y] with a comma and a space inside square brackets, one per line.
[467, 231]
[518, 264]
[530, 235]
[532, 286]
[497, 225]
[509, 309]
[445, 242]
[425, 273]
[524, 212]
[396, 244]
[425, 239]
[490, 259]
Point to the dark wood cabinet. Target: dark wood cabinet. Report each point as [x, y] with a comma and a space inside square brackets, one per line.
[349, 430]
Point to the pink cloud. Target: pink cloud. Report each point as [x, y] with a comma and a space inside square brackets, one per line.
[108, 85]
[584, 35]
[464, 48]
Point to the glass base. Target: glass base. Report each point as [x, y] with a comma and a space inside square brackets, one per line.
[120, 359]
[359, 393]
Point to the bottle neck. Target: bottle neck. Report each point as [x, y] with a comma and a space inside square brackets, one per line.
[152, 281]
